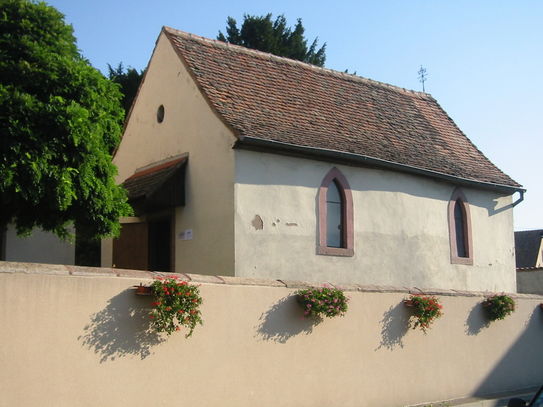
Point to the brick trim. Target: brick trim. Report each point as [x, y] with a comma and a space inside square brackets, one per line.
[458, 195]
[335, 175]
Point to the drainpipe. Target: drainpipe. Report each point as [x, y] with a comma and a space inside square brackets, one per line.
[520, 199]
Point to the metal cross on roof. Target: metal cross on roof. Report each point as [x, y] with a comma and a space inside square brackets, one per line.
[422, 76]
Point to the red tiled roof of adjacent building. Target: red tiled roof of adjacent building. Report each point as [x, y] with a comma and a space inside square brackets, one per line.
[271, 98]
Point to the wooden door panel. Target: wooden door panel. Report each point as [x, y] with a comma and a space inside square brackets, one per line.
[130, 250]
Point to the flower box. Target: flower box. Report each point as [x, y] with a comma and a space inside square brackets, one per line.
[425, 310]
[143, 290]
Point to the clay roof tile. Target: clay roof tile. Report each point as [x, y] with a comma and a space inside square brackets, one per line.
[272, 98]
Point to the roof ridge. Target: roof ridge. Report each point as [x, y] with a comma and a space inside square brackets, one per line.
[276, 58]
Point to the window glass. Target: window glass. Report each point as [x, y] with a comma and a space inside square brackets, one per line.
[459, 221]
[333, 216]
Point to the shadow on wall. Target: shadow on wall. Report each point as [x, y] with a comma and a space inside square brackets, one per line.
[284, 320]
[497, 209]
[122, 328]
[512, 372]
[394, 326]
[476, 321]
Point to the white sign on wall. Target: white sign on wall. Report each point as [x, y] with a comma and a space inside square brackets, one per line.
[185, 234]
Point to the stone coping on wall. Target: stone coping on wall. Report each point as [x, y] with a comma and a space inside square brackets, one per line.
[529, 269]
[67, 270]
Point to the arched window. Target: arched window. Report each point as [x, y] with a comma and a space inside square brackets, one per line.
[460, 229]
[335, 223]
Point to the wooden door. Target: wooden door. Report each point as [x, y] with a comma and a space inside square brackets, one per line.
[131, 249]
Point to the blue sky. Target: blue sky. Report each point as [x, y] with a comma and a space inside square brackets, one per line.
[484, 59]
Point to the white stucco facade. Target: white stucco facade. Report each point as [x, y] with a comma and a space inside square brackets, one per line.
[39, 247]
[401, 234]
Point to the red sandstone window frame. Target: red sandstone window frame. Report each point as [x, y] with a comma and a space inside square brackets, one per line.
[458, 196]
[347, 249]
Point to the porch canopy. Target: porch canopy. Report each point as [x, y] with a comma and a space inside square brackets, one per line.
[158, 186]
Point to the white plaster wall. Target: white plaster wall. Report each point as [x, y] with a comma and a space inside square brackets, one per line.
[189, 126]
[40, 247]
[400, 228]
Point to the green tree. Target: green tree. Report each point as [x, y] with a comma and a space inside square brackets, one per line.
[59, 120]
[259, 32]
[129, 80]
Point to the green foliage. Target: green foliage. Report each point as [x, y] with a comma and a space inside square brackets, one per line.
[129, 81]
[426, 309]
[177, 304]
[325, 301]
[59, 121]
[498, 306]
[260, 32]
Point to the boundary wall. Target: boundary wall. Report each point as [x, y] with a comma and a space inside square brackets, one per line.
[530, 280]
[76, 336]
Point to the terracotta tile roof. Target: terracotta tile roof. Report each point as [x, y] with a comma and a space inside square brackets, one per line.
[263, 96]
[527, 246]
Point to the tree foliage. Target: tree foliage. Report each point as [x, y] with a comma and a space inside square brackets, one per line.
[59, 120]
[260, 32]
[129, 81]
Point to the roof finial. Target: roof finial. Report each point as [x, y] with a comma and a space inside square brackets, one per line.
[422, 76]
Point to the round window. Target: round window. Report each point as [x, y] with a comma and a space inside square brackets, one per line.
[160, 114]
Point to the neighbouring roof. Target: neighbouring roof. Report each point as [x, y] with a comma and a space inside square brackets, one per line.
[278, 100]
[158, 186]
[527, 247]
